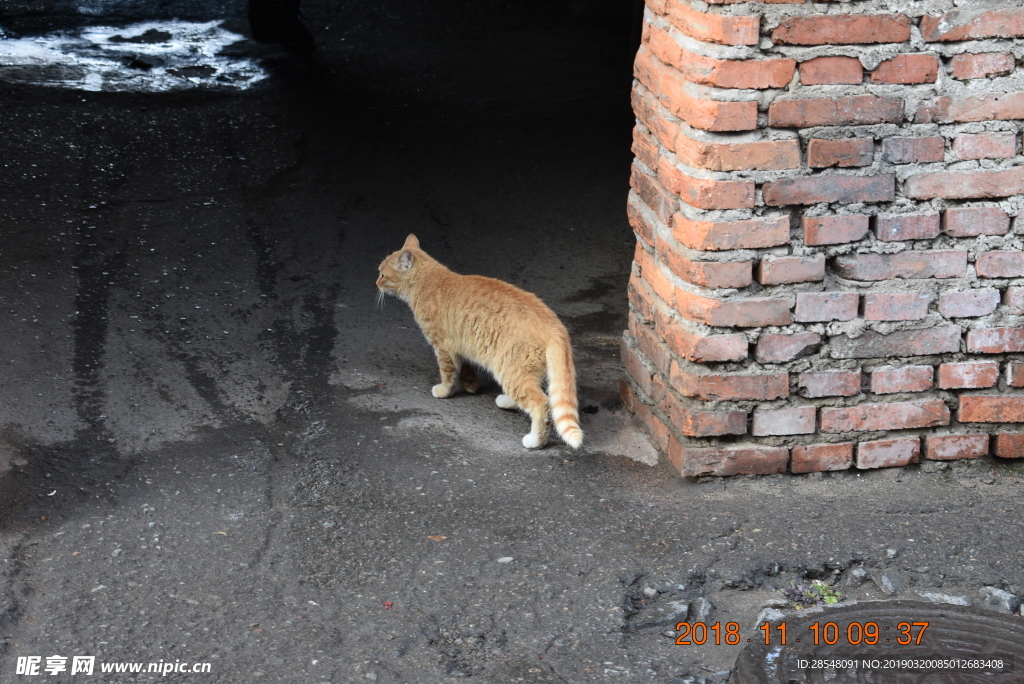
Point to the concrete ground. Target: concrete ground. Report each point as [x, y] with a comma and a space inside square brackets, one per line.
[216, 450]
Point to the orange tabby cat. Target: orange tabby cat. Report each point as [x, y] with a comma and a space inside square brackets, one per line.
[497, 326]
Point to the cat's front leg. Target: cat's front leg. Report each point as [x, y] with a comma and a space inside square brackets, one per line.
[449, 372]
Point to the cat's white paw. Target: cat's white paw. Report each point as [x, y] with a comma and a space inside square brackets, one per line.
[440, 391]
[532, 441]
[504, 401]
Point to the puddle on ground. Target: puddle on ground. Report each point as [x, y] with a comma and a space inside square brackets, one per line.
[147, 57]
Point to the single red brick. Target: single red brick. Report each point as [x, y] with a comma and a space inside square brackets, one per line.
[772, 348]
[645, 146]
[729, 386]
[834, 230]
[888, 453]
[639, 220]
[1009, 445]
[986, 107]
[847, 152]
[1000, 265]
[773, 270]
[700, 423]
[967, 25]
[982, 66]
[979, 302]
[732, 313]
[713, 236]
[837, 383]
[907, 69]
[995, 340]
[652, 425]
[842, 29]
[954, 447]
[988, 408]
[816, 458]
[892, 227]
[893, 416]
[639, 299]
[634, 367]
[798, 420]
[713, 28]
[710, 274]
[913, 150]
[753, 459]
[842, 189]
[1013, 298]
[974, 221]
[910, 264]
[648, 342]
[896, 306]
[901, 343]
[853, 110]
[704, 193]
[763, 155]
[694, 346]
[653, 194]
[889, 380]
[959, 185]
[720, 73]
[968, 375]
[651, 114]
[653, 277]
[985, 146]
[1015, 374]
[818, 307]
[829, 70]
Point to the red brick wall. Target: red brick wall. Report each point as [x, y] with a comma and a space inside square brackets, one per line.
[828, 271]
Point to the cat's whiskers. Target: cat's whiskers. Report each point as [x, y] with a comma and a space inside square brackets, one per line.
[380, 301]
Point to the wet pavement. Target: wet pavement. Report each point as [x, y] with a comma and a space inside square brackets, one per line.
[216, 450]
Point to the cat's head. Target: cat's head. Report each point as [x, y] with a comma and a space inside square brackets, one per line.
[398, 269]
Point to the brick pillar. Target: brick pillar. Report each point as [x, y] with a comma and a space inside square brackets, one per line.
[828, 270]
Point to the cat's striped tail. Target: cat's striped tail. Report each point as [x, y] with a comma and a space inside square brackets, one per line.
[562, 393]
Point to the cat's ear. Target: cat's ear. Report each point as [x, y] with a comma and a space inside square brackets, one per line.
[411, 242]
[405, 260]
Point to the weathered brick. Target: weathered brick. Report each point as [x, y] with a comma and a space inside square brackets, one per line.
[837, 383]
[979, 302]
[982, 66]
[639, 298]
[772, 348]
[973, 221]
[829, 70]
[651, 114]
[638, 220]
[653, 348]
[710, 274]
[773, 270]
[652, 425]
[729, 313]
[853, 110]
[753, 459]
[966, 185]
[1013, 299]
[842, 29]
[764, 155]
[968, 25]
[645, 147]
[888, 453]
[987, 107]
[702, 423]
[653, 277]
[974, 375]
[909, 264]
[1015, 374]
[842, 189]
[955, 447]
[995, 340]
[907, 69]
[901, 343]
[985, 146]
[653, 194]
[834, 230]
[713, 28]
[729, 386]
[816, 458]
[720, 73]
[902, 415]
[989, 408]
[1009, 445]
[889, 380]
[893, 227]
[708, 115]
[713, 236]
[704, 193]
[818, 307]
[1000, 265]
[699, 348]
[848, 152]
[896, 306]
[635, 368]
[913, 150]
[798, 420]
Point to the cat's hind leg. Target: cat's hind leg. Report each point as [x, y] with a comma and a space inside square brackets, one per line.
[467, 375]
[528, 394]
[449, 371]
